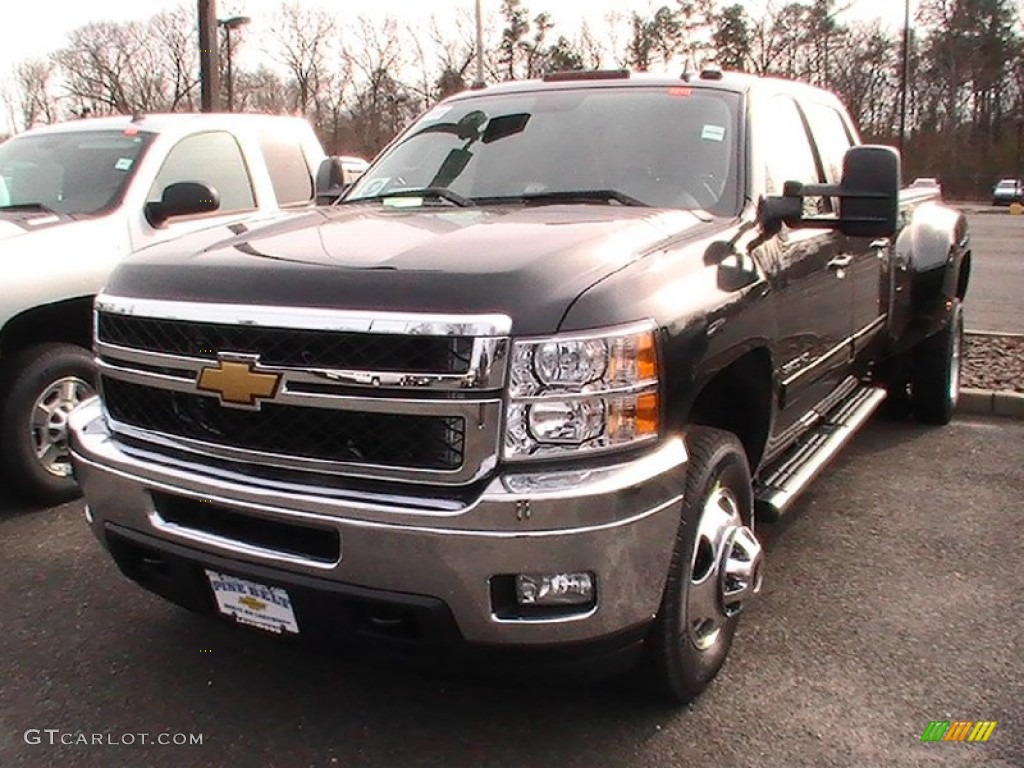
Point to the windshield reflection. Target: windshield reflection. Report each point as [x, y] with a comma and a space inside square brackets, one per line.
[664, 147]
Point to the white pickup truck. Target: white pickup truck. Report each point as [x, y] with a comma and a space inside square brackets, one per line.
[76, 198]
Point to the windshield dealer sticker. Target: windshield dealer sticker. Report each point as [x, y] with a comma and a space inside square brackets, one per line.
[123, 164]
[374, 187]
[713, 133]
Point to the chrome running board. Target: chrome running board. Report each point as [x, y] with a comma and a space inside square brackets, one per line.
[797, 467]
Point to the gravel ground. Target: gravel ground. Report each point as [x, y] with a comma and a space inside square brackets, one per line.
[994, 362]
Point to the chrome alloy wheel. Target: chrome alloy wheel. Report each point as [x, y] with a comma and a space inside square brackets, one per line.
[49, 422]
[726, 569]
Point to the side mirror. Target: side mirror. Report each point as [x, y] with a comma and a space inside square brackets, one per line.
[868, 197]
[869, 203]
[183, 198]
[330, 181]
[335, 175]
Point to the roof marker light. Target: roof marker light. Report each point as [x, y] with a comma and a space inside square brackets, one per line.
[587, 74]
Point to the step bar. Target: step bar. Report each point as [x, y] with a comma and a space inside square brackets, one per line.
[799, 466]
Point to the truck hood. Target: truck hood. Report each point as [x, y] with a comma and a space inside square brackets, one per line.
[37, 248]
[21, 224]
[528, 263]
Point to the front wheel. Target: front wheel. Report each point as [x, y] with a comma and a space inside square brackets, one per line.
[715, 570]
[935, 381]
[44, 384]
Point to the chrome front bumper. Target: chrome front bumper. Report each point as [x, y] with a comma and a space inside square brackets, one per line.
[618, 522]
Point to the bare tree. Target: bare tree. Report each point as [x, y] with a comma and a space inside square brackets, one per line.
[442, 59]
[33, 92]
[173, 32]
[382, 105]
[592, 51]
[96, 65]
[263, 90]
[305, 44]
[148, 66]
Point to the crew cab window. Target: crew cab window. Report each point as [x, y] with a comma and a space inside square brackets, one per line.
[289, 172]
[790, 155]
[831, 136]
[214, 159]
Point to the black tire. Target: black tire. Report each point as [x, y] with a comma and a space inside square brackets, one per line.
[894, 374]
[676, 666]
[28, 376]
[935, 381]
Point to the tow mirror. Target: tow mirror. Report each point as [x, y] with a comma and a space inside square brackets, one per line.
[183, 198]
[868, 197]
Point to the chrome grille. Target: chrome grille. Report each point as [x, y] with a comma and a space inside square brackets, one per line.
[382, 439]
[414, 398]
[289, 346]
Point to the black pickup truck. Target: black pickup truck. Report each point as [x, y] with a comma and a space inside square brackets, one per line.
[521, 395]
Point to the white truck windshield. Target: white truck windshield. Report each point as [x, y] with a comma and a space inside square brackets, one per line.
[79, 173]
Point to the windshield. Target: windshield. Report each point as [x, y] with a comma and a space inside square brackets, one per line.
[672, 147]
[1007, 184]
[84, 172]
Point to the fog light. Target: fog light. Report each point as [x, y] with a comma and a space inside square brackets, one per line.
[88, 515]
[555, 588]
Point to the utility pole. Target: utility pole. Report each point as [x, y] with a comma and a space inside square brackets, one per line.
[209, 60]
[231, 24]
[905, 75]
[479, 47]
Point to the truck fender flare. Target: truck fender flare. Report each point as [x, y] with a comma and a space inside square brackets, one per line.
[925, 271]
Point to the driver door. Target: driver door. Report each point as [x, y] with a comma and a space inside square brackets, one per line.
[213, 158]
[812, 297]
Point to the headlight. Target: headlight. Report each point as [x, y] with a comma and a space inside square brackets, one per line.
[580, 393]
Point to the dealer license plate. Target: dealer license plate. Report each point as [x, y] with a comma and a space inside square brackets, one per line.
[268, 608]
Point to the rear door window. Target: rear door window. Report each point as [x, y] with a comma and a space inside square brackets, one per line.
[832, 137]
[289, 172]
[790, 156]
[214, 159]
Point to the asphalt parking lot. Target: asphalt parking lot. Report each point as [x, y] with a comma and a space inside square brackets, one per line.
[995, 299]
[893, 599]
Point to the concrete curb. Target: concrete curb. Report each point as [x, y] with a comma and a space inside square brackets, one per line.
[996, 334]
[985, 402]
[982, 208]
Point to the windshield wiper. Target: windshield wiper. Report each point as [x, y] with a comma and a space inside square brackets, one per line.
[27, 207]
[441, 193]
[568, 196]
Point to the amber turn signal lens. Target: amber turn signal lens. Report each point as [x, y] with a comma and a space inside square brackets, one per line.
[647, 414]
[646, 357]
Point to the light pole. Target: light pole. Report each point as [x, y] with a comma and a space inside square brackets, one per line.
[229, 24]
[479, 47]
[905, 74]
[209, 73]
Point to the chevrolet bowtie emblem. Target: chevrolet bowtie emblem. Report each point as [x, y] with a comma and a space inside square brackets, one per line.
[252, 603]
[238, 383]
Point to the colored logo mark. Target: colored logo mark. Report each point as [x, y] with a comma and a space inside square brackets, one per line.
[958, 730]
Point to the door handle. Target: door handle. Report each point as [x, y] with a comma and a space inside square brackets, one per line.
[840, 262]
